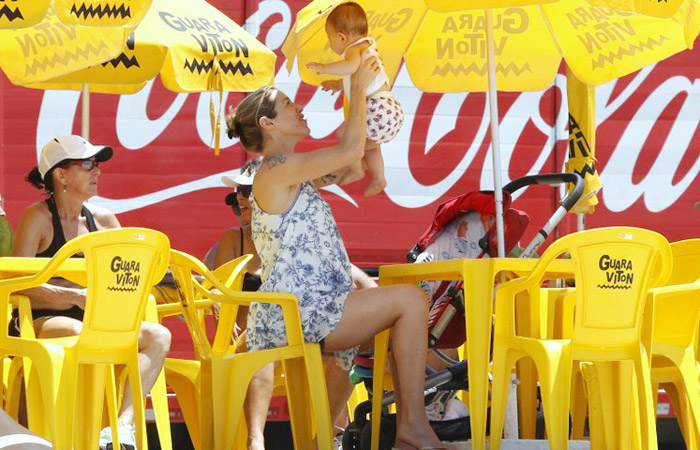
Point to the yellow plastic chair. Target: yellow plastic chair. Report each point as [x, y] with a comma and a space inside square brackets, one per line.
[191, 379]
[552, 319]
[122, 265]
[675, 338]
[232, 372]
[35, 414]
[614, 268]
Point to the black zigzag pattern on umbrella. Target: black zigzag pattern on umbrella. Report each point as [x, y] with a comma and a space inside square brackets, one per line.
[124, 60]
[201, 66]
[10, 14]
[122, 11]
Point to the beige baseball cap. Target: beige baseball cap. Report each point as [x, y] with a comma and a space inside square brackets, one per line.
[244, 178]
[70, 147]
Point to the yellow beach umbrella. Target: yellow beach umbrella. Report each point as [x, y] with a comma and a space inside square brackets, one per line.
[447, 51]
[186, 42]
[191, 44]
[52, 48]
[601, 44]
[507, 45]
[662, 9]
[26, 13]
[582, 142]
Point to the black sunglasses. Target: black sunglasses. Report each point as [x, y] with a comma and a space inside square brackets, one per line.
[245, 189]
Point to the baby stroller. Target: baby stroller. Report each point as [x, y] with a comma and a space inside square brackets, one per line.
[463, 227]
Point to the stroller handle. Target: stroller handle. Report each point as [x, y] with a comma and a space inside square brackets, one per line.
[552, 179]
[567, 202]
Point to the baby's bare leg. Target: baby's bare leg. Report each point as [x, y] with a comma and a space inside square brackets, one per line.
[354, 173]
[375, 165]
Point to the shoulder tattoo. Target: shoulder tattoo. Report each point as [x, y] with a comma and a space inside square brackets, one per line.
[274, 160]
[329, 178]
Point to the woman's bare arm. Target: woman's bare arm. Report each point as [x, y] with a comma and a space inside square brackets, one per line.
[287, 170]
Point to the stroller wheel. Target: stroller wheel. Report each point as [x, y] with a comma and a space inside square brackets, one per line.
[351, 437]
[387, 436]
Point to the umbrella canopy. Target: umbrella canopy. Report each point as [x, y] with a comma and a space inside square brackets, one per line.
[52, 48]
[190, 44]
[665, 8]
[447, 51]
[26, 13]
[508, 45]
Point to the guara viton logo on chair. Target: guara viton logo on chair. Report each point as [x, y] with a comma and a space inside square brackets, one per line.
[127, 274]
[618, 272]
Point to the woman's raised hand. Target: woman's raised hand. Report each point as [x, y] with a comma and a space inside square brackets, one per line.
[367, 72]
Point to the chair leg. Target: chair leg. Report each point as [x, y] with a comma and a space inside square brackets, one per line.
[187, 399]
[159, 400]
[527, 398]
[579, 404]
[14, 388]
[689, 373]
[555, 385]
[319, 396]
[646, 406]
[90, 398]
[503, 361]
[229, 398]
[137, 396]
[381, 350]
[111, 398]
[298, 393]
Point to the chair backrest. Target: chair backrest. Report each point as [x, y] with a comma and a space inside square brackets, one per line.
[677, 314]
[122, 265]
[614, 268]
[686, 262]
[193, 293]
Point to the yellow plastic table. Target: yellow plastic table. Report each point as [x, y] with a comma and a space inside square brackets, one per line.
[72, 269]
[479, 277]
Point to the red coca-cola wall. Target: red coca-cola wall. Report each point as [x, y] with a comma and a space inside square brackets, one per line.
[164, 174]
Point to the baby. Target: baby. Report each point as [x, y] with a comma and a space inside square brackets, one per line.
[346, 27]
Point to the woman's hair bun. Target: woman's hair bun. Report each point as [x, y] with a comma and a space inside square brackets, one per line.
[234, 129]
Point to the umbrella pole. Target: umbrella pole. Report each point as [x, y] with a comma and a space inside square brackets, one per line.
[495, 141]
[85, 118]
[510, 428]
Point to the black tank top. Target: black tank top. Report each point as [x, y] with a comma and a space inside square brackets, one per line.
[58, 241]
[251, 283]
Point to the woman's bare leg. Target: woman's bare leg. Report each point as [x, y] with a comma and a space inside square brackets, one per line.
[339, 391]
[57, 326]
[257, 403]
[154, 344]
[404, 309]
[23, 438]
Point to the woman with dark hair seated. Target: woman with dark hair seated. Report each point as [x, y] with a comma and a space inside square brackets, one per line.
[68, 172]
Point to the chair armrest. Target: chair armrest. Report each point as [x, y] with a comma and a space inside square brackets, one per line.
[26, 319]
[674, 289]
[169, 309]
[288, 303]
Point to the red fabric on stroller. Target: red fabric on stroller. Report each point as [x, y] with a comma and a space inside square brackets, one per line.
[468, 220]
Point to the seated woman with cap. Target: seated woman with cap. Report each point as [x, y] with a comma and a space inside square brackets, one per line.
[68, 172]
[237, 241]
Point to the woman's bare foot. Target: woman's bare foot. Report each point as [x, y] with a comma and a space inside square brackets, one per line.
[417, 437]
[375, 186]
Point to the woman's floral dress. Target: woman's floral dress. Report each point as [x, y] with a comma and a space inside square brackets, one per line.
[302, 253]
